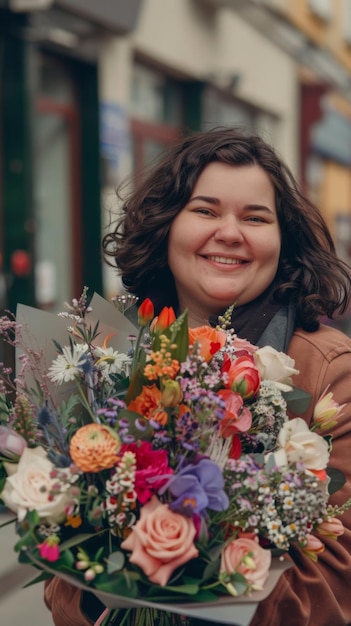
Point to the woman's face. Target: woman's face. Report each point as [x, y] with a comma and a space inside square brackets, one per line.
[225, 243]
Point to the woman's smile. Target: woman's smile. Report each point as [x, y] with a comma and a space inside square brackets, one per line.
[224, 260]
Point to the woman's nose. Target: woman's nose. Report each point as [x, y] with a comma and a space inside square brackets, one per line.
[228, 231]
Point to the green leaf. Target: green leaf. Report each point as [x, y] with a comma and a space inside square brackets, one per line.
[66, 560]
[39, 579]
[29, 523]
[115, 562]
[81, 538]
[179, 335]
[297, 400]
[239, 582]
[26, 541]
[122, 584]
[187, 589]
[211, 570]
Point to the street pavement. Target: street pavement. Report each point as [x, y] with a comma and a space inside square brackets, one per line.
[18, 606]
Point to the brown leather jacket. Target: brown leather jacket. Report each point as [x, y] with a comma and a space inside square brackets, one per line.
[310, 594]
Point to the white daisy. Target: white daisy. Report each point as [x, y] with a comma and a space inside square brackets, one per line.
[110, 361]
[68, 364]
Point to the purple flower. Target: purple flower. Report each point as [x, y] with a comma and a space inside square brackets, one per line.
[197, 488]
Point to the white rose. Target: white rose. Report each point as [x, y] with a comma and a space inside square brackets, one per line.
[28, 487]
[275, 366]
[302, 445]
[278, 458]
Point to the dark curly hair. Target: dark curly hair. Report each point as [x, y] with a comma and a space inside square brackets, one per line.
[309, 273]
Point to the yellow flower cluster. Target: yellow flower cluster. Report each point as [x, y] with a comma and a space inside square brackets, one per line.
[161, 364]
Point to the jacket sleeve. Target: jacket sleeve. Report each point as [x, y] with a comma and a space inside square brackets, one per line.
[64, 601]
[319, 593]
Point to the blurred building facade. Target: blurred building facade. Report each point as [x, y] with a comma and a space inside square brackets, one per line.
[92, 92]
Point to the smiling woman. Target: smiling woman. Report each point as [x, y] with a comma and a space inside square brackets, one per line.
[221, 221]
[224, 248]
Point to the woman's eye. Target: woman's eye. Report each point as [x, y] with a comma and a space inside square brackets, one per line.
[255, 218]
[203, 211]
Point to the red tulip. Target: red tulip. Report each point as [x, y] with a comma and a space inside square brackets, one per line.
[145, 312]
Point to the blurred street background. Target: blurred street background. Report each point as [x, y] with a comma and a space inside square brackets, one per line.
[91, 92]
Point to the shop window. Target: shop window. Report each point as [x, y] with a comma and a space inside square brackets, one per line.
[222, 110]
[156, 114]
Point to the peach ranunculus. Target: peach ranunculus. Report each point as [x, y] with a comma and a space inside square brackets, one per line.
[245, 556]
[331, 527]
[148, 404]
[275, 366]
[313, 547]
[161, 541]
[244, 377]
[95, 447]
[210, 340]
[303, 446]
[29, 487]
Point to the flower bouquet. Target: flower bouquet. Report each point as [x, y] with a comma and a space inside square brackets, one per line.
[159, 470]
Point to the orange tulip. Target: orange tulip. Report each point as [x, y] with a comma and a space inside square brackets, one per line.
[163, 320]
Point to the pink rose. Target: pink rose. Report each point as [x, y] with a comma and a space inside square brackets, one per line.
[243, 346]
[161, 541]
[245, 556]
[12, 443]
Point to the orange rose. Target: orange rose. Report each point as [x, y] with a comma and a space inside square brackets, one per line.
[148, 404]
[209, 339]
[95, 447]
